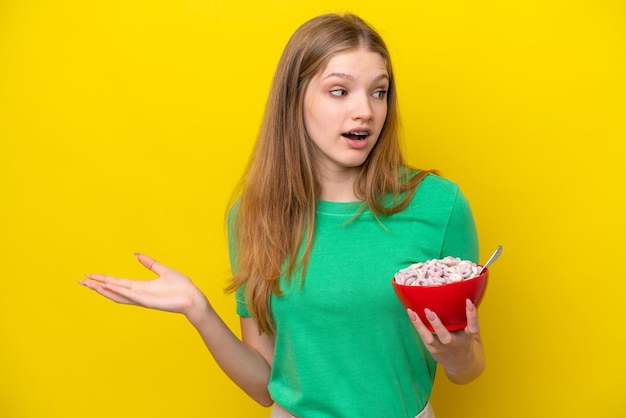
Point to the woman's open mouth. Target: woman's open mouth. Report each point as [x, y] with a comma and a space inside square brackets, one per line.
[356, 135]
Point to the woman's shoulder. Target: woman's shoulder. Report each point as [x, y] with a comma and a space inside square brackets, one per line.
[434, 184]
[438, 199]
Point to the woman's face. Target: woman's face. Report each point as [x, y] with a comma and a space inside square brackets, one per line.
[345, 107]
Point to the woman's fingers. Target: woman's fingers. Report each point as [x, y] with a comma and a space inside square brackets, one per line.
[105, 290]
[117, 289]
[131, 292]
[426, 335]
[108, 280]
[471, 313]
[440, 333]
[438, 327]
[151, 264]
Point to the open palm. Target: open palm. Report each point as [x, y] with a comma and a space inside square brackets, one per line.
[171, 291]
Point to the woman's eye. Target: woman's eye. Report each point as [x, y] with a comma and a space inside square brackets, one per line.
[380, 94]
[338, 92]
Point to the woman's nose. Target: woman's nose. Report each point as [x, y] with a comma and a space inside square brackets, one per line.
[362, 108]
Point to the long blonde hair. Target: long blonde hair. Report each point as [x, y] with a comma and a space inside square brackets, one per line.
[276, 198]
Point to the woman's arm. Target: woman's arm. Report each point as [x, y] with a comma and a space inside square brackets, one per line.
[247, 362]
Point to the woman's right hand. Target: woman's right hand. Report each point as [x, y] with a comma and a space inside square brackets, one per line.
[171, 291]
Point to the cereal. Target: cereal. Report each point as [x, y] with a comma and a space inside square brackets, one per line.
[437, 271]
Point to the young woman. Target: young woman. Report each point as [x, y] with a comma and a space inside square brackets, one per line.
[327, 212]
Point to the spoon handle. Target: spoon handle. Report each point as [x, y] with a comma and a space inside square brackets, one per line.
[493, 258]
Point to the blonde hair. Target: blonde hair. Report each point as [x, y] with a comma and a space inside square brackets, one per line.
[276, 199]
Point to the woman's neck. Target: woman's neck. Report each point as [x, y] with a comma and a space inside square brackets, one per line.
[338, 186]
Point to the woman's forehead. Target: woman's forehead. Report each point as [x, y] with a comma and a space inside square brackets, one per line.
[354, 63]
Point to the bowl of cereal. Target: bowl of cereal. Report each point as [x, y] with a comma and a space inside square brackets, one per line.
[443, 286]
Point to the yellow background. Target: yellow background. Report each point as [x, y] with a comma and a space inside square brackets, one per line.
[125, 124]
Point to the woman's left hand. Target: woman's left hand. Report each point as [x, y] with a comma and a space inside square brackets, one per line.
[459, 352]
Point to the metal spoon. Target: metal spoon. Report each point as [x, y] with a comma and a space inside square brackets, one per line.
[493, 258]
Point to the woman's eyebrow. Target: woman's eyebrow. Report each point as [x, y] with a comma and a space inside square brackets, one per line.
[382, 76]
[340, 75]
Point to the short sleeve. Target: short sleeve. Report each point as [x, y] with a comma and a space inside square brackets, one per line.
[461, 238]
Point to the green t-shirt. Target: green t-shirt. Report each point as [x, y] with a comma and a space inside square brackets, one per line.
[344, 344]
